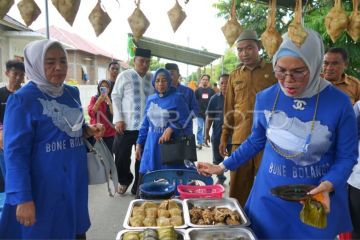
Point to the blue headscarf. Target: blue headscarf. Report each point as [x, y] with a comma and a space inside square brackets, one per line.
[167, 75]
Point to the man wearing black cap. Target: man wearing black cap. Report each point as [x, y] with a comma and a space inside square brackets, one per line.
[186, 91]
[129, 95]
[250, 77]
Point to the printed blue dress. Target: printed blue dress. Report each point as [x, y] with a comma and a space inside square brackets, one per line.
[46, 163]
[170, 110]
[328, 154]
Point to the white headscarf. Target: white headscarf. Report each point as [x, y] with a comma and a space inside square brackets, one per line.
[34, 54]
[312, 53]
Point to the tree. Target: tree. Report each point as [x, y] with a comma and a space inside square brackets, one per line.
[250, 14]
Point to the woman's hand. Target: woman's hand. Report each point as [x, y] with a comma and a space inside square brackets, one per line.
[25, 213]
[101, 98]
[207, 169]
[138, 152]
[321, 194]
[107, 99]
[166, 135]
[97, 130]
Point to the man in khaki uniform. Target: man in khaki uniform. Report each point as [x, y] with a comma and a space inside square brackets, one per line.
[252, 76]
[335, 63]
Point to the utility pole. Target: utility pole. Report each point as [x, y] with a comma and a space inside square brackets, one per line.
[47, 19]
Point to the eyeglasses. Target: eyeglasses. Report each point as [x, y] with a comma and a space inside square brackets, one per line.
[296, 75]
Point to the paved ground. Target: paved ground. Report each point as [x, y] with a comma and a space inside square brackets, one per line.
[107, 214]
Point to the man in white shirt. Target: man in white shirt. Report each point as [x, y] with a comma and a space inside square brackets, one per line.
[129, 96]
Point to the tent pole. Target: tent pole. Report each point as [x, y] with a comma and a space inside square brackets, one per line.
[47, 19]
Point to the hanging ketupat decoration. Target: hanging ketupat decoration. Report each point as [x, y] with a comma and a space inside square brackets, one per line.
[67, 8]
[354, 22]
[29, 11]
[99, 19]
[138, 22]
[232, 28]
[5, 6]
[176, 15]
[271, 39]
[336, 21]
[296, 30]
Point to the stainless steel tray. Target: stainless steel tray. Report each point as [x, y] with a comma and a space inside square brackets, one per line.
[138, 202]
[230, 203]
[181, 234]
[220, 233]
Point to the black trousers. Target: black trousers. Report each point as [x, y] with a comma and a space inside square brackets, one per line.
[354, 202]
[217, 158]
[122, 148]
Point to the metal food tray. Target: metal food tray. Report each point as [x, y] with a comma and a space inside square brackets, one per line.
[230, 203]
[138, 202]
[216, 233]
[180, 232]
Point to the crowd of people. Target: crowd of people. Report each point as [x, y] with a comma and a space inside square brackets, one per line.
[293, 121]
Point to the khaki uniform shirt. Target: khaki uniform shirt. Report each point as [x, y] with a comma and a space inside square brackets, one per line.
[349, 85]
[243, 85]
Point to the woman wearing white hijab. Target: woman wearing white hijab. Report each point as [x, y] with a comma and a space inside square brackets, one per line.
[308, 130]
[45, 157]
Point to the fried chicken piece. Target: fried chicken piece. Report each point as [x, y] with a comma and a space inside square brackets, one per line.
[195, 214]
[208, 216]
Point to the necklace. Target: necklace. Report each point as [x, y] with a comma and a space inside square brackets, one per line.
[308, 138]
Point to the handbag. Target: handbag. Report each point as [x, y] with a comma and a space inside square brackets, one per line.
[100, 162]
[175, 151]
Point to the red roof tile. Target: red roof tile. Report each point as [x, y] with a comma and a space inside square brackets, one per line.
[76, 41]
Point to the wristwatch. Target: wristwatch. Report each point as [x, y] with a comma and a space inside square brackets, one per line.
[223, 167]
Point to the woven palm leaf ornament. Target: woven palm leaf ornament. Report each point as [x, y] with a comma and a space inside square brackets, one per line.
[99, 19]
[296, 30]
[353, 28]
[138, 22]
[176, 16]
[29, 11]
[232, 28]
[67, 9]
[5, 6]
[271, 38]
[336, 21]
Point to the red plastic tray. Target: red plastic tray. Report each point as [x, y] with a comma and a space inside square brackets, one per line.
[208, 191]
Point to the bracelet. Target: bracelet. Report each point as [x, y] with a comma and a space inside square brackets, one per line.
[223, 167]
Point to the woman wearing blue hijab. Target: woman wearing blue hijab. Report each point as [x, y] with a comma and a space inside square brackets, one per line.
[307, 128]
[166, 112]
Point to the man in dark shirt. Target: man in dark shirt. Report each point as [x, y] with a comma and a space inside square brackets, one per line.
[215, 118]
[15, 71]
[203, 95]
[113, 70]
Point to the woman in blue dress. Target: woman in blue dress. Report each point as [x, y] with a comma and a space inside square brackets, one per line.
[308, 131]
[45, 156]
[166, 112]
